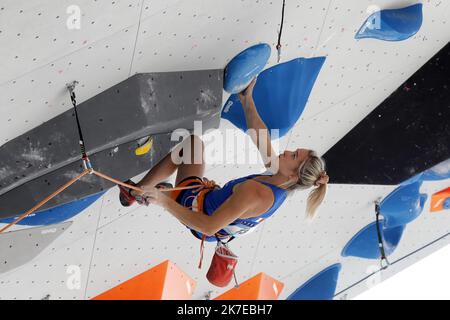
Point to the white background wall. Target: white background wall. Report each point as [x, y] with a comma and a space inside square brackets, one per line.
[426, 279]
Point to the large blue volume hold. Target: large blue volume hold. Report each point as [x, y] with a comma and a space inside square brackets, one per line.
[241, 70]
[280, 95]
[403, 205]
[399, 208]
[320, 287]
[393, 24]
[365, 243]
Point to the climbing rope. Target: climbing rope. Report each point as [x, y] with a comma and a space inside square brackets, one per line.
[279, 33]
[68, 184]
[40, 204]
[88, 169]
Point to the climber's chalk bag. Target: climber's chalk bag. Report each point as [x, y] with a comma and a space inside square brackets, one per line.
[222, 267]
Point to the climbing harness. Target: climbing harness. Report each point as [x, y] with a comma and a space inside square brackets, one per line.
[202, 188]
[279, 33]
[223, 264]
[383, 257]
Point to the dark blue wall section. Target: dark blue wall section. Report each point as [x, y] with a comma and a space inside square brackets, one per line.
[280, 94]
[392, 25]
[320, 287]
[241, 70]
[57, 214]
[404, 136]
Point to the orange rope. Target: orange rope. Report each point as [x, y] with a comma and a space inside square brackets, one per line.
[116, 181]
[104, 176]
[85, 172]
[40, 204]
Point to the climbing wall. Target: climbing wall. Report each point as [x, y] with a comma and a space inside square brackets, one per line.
[42, 49]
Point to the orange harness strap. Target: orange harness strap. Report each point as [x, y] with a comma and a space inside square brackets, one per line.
[200, 202]
[207, 186]
[202, 189]
[202, 249]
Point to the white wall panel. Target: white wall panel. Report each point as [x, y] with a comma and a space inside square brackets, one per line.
[111, 243]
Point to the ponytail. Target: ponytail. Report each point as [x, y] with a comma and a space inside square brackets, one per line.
[315, 198]
[311, 173]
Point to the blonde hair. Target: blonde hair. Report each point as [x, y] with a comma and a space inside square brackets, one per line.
[312, 173]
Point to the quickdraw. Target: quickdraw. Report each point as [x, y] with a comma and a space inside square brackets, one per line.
[383, 257]
[279, 33]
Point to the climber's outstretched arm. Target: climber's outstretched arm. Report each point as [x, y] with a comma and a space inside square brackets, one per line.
[239, 203]
[257, 128]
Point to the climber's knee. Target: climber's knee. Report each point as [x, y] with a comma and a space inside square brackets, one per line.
[195, 146]
[189, 151]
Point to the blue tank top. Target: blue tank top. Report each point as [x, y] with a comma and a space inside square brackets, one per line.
[215, 198]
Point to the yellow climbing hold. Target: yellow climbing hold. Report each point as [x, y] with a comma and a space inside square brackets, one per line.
[145, 147]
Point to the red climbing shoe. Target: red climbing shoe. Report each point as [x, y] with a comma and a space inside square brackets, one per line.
[125, 197]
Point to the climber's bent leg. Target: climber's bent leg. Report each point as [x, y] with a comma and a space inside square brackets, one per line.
[193, 164]
[161, 171]
[187, 157]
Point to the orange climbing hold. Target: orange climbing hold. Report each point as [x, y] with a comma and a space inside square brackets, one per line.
[163, 282]
[260, 287]
[440, 200]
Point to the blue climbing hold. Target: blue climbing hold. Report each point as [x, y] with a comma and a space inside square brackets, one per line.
[320, 287]
[393, 24]
[415, 178]
[391, 238]
[403, 205]
[446, 204]
[365, 243]
[57, 214]
[440, 171]
[241, 70]
[280, 95]
[399, 208]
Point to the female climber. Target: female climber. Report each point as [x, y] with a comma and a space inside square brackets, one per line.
[213, 213]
